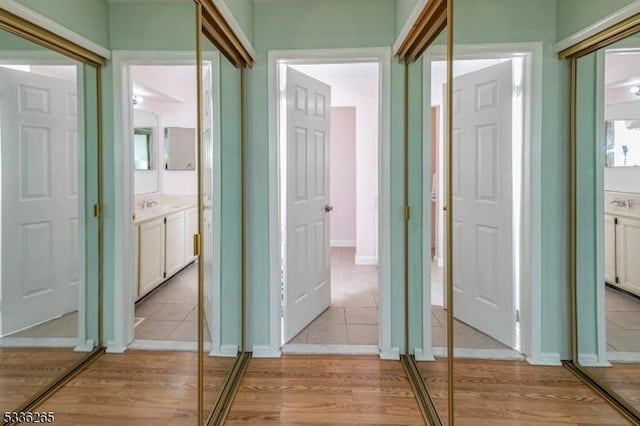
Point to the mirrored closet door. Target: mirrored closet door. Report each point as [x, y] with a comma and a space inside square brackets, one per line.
[50, 232]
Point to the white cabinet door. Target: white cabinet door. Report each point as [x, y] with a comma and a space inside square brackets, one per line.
[609, 249]
[191, 228]
[628, 249]
[151, 255]
[174, 243]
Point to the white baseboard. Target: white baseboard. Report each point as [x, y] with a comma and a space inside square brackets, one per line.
[265, 351]
[114, 348]
[39, 342]
[343, 243]
[545, 358]
[592, 360]
[623, 356]
[366, 260]
[164, 345]
[392, 355]
[86, 346]
[311, 349]
[422, 355]
[491, 354]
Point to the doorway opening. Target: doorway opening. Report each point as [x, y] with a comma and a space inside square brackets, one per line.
[329, 206]
[330, 283]
[156, 187]
[492, 286]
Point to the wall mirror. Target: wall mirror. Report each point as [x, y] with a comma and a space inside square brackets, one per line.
[49, 242]
[607, 220]
[143, 148]
[180, 148]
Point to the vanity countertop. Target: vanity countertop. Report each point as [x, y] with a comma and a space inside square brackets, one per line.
[165, 205]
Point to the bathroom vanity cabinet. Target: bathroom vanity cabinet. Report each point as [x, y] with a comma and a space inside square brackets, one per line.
[164, 244]
[622, 240]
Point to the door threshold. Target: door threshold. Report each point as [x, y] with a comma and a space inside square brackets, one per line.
[320, 349]
[492, 354]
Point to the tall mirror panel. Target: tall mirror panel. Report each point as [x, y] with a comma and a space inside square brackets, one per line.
[607, 217]
[427, 123]
[221, 221]
[49, 235]
[504, 312]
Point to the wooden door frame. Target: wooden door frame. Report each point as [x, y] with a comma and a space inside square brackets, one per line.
[381, 56]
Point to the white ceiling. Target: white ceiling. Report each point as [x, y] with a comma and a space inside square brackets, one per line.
[165, 83]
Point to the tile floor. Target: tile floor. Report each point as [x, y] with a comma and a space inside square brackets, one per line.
[65, 326]
[352, 318]
[170, 312]
[623, 322]
[464, 336]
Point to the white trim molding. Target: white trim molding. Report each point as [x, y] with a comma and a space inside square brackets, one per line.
[616, 17]
[366, 260]
[531, 211]
[381, 56]
[53, 26]
[343, 243]
[124, 297]
[411, 21]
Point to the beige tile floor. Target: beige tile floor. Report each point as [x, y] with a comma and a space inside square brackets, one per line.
[464, 336]
[623, 322]
[352, 318]
[170, 312]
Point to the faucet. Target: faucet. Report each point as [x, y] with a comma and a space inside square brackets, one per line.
[146, 204]
[622, 203]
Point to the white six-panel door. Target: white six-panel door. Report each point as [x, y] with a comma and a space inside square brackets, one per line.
[483, 269]
[308, 287]
[39, 150]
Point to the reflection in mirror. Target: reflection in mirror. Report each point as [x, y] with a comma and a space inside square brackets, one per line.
[220, 222]
[48, 243]
[142, 148]
[608, 218]
[433, 78]
[180, 148]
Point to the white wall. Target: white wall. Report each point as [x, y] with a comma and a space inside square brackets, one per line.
[343, 176]
[357, 85]
[174, 101]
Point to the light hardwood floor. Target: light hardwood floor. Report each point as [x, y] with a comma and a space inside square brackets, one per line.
[27, 371]
[516, 393]
[138, 388]
[624, 379]
[340, 390]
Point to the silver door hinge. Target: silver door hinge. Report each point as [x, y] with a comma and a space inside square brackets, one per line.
[517, 315]
[518, 90]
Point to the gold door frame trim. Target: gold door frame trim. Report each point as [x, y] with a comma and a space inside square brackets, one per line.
[35, 33]
[604, 38]
[198, 248]
[427, 27]
[449, 212]
[217, 29]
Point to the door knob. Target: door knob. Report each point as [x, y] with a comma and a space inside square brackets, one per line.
[328, 208]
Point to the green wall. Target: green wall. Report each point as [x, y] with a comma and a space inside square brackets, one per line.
[86, 17]
[403, 10]
[303, 25]
[574, 15]
[474, 22]
[242, 11]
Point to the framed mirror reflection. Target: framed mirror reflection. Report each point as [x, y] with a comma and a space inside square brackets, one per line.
[49, 243]
[607, 219]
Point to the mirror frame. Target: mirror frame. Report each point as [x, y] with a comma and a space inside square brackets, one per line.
[602, 39]
[27, 30]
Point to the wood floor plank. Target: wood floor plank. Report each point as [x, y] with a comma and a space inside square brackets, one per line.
[340, 390]
[138, 388]
[516, 393]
